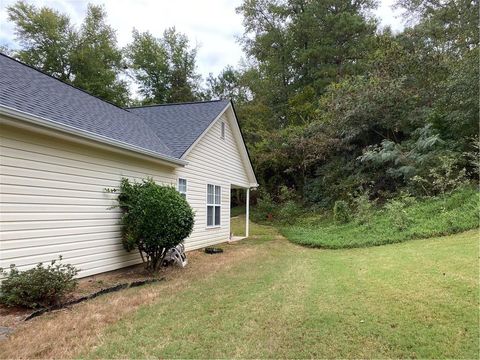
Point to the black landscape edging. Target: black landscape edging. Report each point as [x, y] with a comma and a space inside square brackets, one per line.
[92, 296]
[213, 250]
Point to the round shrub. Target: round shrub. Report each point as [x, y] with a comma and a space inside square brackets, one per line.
[37, 287]
[155, 219]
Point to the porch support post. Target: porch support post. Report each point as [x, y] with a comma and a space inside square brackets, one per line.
[247, 212]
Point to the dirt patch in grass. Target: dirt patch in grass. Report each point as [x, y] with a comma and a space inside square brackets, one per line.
[66, 332]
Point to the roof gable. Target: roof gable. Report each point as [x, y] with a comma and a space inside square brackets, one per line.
[180, 125]
[166, 131]
[231, 117]
[28, 90]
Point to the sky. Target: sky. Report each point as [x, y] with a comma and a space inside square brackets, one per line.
[212, 25]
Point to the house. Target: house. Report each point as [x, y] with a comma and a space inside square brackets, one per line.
[61, 147]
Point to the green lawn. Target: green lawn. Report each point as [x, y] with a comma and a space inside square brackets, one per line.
[414, 299]
[431, 217]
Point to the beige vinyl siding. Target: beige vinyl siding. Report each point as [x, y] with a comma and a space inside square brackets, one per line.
[53, 201]
[216, 161]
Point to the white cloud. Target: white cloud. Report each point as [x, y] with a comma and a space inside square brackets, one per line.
[213, 24]
[389, 16]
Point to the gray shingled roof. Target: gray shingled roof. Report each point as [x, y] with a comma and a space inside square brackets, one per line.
[179, 125]
[26, 89]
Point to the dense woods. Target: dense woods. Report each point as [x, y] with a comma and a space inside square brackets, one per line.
[331, 104]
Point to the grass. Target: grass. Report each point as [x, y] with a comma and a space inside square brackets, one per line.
[266, 297]
[237, 210]
[416, 299]
[432, 217]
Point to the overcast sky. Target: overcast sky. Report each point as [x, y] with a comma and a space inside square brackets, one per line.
[213, 25]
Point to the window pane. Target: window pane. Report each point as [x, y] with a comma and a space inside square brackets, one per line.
[182, 185]
[223, 130]
[209, 215]
[218, 191]
[217, 215]
[210, 194]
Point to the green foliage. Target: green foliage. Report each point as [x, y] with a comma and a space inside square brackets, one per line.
[402, 161]
[265, 208]
[397, 211]
[418, 219]
[289, 211]
[442, 178]
[378, 119]
[364, 208]
[341, 212]
[155, 218]
[37, 287]
[300, 47]
[164, 68]
[88, 58]
[47, 38]
[227, 85]
[96, 61]
[286, 194]
[328, 102]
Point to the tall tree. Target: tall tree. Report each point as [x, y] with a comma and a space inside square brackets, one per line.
[148, 64]
[227, 85]
[46, 36]
[88, 58]
[164, 68]
[97, 60]
[184, 81]
[447, 25]
[299, 47]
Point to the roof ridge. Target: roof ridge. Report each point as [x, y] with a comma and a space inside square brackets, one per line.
[178, 103]
[137, 117]
[62, 81]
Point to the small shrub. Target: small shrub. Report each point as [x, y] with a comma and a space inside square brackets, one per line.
[364, 208]
[265, 208]
[443, 178]
[40, 286]
[341, 212]
[289, 212]
[286, 194]
[155, 219]
[397, 210]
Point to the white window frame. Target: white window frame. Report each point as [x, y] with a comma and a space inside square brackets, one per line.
[223, 130]
[216, 205]
[184, 193]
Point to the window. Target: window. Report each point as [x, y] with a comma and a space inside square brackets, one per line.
[214, 206]
[222, 134]
[182, 187]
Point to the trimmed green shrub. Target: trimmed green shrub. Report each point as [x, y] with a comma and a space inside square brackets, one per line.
[341, 212]
[37, 287]
[155, 219]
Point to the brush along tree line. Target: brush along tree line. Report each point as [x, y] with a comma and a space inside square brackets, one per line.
[330, 102]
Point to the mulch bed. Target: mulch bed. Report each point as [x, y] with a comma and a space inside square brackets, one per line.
[88, 288]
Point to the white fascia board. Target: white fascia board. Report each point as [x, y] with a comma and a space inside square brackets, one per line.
[38, 120]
